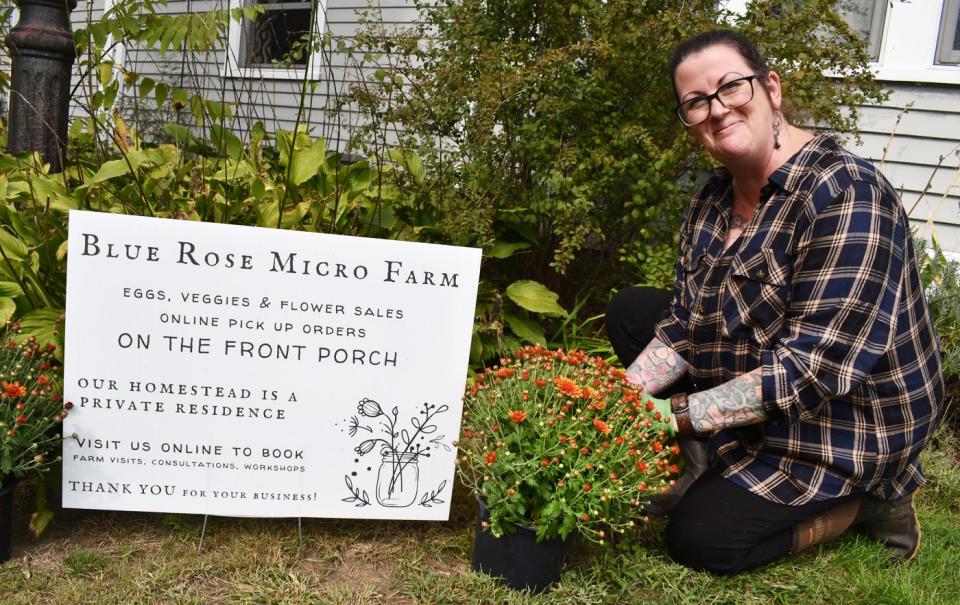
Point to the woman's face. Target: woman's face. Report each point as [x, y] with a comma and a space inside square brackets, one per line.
[732, 136]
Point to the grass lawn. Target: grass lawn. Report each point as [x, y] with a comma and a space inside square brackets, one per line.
[108, 557]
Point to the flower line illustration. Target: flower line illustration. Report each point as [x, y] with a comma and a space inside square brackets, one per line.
[401, 449]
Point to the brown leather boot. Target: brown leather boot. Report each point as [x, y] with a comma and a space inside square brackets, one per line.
[697, 460]
[893, 522]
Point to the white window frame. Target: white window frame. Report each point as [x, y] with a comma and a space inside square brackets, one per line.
[910, 44]
[876, 28]
[946, 54]
[118, 55]
[232, 68]
[14, 17]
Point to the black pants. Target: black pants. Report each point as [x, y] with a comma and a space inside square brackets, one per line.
[718, 526]
[631, 316]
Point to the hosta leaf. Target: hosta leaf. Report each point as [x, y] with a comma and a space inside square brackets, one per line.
[47, 325]
[12, 246]
[527, 329]
[308, 161]
[534, 296]
[109, 170]
[7, 309]
[11, 289]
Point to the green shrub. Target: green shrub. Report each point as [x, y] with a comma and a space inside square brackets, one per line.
[546, 130]
[552, 125]
[941, 280]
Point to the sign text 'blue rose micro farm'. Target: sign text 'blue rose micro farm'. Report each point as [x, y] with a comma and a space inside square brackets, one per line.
[240, 371]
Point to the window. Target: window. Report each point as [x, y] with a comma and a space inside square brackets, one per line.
[948, 50]
[866, 17]
[262, 47]
[920, 38]
[268, 40]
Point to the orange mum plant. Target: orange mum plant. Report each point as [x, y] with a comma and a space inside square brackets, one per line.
[31, 408]
[562, 442]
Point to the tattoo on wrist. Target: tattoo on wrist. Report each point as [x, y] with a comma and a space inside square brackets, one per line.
[737, 402]
[656, 368]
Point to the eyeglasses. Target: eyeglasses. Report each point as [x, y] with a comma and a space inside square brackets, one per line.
[731, 95]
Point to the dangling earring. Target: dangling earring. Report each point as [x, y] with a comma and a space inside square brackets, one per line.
[777, 125]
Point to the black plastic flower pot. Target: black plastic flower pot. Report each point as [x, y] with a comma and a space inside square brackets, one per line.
[6, 519]
[517, 558]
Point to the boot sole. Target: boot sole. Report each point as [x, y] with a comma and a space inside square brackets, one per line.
[916, 550]
[910, 556]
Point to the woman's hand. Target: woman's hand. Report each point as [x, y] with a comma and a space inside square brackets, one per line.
[666, 421]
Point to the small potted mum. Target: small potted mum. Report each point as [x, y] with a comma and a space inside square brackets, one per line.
[553, 444]
[31, 411]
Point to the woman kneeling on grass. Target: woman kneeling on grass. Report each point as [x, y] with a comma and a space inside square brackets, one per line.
[799, 325]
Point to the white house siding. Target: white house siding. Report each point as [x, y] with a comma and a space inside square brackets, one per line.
[927, 131]
[260, 95]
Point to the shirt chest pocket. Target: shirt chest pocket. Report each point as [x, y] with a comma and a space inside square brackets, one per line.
[694, 265]
[755, 296]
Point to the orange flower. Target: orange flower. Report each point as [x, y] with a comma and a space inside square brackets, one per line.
[586, 487]
[642, 466]
[517, 415]
[540, 382]
[491, 458]
[585, 517]
[504, 372]
[13, 389]
[545, 462]
[566, 386]
[601, 426]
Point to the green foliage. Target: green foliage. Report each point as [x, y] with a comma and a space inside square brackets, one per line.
[143, 24]
[941, 280]
[549, 128]
[542, 132]
[31, 408]
[289, 181]
[561, 441]
[806, 40]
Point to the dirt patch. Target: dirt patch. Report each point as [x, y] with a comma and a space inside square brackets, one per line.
[360, 567]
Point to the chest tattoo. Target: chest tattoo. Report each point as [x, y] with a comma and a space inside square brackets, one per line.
[738, 223]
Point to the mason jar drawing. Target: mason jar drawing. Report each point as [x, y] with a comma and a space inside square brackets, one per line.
[398, 479]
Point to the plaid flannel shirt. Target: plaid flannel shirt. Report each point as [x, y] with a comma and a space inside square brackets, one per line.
[822, 290]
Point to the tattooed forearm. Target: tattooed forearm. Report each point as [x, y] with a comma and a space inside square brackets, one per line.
[656, 368]
[734, 403]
